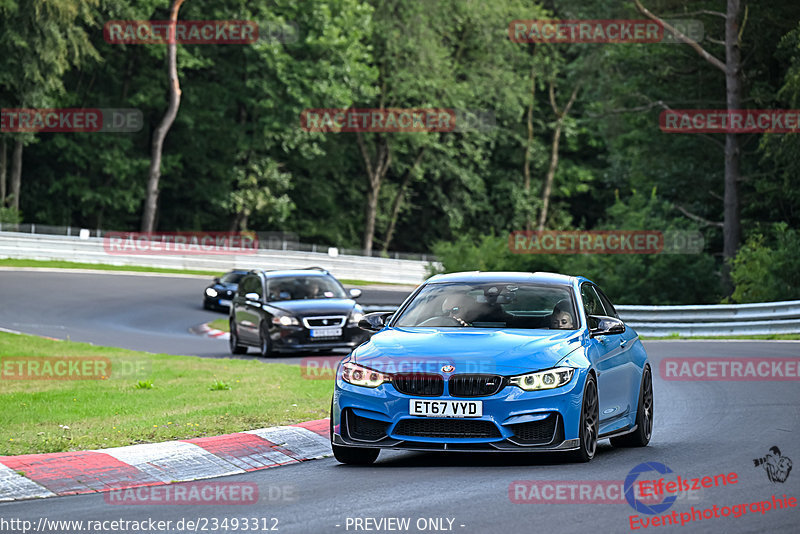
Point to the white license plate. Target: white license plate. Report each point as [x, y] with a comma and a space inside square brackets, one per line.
[448, 408]
[326, 332]
[223, 302]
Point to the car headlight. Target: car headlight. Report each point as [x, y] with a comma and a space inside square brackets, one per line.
[211, 292]
[552, 378]
[285, 320]
[355, 317]
[362, 376]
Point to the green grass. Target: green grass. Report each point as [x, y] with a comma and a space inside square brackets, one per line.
[10, 262]
[220, 324]
[762, 337]
[179, 397]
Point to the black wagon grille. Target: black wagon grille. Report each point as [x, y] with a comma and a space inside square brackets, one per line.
[475, 385]
[364, 428]
[422, 384]
[536, 431]
[446, 428]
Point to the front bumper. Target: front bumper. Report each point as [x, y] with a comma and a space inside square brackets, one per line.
[512, 420]
[297, 339]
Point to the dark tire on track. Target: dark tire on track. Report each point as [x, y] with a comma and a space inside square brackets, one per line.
[264, 343]
[644, 416]
[590, 416]
[352, 455]
[233, 341]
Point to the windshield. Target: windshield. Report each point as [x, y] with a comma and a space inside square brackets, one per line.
[491, 305]
[231, 278]
[304, 287]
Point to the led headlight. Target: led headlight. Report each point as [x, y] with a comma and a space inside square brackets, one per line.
[362, 376]
[285, 320]
[552, 378]
[211, 292]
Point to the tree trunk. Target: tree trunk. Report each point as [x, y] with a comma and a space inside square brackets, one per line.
[151, 199]
[551, 171]
[375, 176]
[16, 174]
[526, 168]
[732, 231]
[398, 201]
[3, 166]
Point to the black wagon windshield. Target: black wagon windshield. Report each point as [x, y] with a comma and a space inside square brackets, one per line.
[304, 287]
[491, 305]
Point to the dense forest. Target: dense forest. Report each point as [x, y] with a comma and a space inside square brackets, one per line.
[569, 137]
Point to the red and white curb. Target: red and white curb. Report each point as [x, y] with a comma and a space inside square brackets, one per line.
[68, 473]
[207, 331]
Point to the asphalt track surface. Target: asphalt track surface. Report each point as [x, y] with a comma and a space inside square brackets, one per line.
[702, 428]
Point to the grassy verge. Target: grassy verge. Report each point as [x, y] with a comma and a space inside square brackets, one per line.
[712, 338]
[150, 398]
[220, 324]
[10, 262]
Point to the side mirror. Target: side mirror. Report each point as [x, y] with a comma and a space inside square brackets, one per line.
[355, 293]
[253, 296]
[216, 280]
[605, 325]
[374, 321]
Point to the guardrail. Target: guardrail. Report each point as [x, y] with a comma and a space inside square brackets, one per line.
[91, 250]
[704, 320]
[762, 318]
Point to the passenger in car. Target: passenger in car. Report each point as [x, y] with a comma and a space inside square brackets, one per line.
[561, 318]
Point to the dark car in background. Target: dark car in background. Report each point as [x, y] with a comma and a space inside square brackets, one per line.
[218, 296]
[293, 311]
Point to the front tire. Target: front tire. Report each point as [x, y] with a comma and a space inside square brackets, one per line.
[264, 343]
[233, 340]
[644, 416]
[590, 416]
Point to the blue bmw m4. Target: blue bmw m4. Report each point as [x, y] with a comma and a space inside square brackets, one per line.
[493, 361]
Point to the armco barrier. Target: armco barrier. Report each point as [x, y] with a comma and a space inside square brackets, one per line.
[72, 248]
[762, 318]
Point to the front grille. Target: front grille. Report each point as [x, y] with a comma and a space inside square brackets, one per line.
[536, 431]
[324, 321]
[364, 428]
[446, 428]
[421, 384]
[475, 385]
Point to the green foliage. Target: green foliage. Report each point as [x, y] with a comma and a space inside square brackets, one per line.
[219, 385]
[143, 384]
[10, 215]
[767, 267]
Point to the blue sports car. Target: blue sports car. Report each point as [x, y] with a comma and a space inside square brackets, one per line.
[490, 361]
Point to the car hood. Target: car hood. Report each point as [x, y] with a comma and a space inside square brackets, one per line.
[484, 350]
[314, 307]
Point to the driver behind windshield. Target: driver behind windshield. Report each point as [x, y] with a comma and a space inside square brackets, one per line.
[561, 319]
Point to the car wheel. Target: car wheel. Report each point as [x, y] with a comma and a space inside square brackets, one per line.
[233, 341]
[206, 305]
[352, 455]
[590, 415]
[644, 416]
[264, 343]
